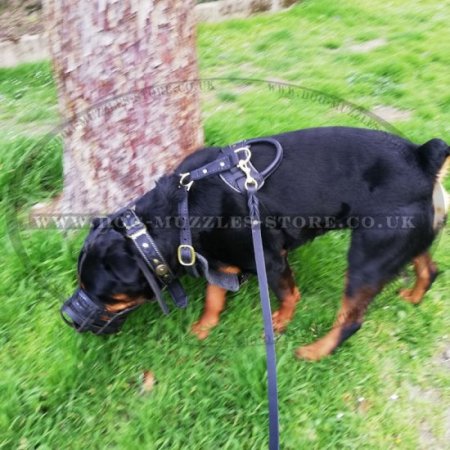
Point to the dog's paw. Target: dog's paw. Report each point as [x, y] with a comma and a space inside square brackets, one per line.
[201, 330]
[411, 296]
[312, 352]
[279, 322]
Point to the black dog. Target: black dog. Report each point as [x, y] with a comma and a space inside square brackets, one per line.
[378, 184]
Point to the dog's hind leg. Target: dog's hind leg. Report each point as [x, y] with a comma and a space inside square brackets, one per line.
[374, 259]
[426, 272]
[348, 322]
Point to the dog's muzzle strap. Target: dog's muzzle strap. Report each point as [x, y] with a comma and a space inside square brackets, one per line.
[85, 314]
[154, 286]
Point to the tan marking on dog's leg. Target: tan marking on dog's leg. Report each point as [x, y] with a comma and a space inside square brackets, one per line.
[282, 317]
[322, 347]
[288, 295]
[425, 270]
[214, 305]
[230, 269]
[348, 321]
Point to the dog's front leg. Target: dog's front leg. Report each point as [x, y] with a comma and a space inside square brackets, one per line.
[288, 294]
[214, 305]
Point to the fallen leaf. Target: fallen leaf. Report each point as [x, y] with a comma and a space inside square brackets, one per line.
[148, 381]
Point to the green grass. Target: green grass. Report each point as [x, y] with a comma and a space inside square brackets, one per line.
[62, 390]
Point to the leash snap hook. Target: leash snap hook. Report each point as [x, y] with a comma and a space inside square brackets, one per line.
[248, 154]
[183, 182]
[250, 182]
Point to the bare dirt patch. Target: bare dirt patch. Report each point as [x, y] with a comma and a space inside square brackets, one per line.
[368, 46]
[391, 114]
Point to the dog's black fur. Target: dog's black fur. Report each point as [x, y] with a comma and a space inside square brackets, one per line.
[334, 172]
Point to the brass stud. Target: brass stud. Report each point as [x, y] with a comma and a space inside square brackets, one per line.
[161, 270]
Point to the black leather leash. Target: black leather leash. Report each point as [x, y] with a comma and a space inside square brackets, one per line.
[236, 170]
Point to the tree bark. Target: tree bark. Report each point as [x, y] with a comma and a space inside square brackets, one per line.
[121, 67]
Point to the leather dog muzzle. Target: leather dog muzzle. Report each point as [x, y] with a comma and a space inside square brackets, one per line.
[84, 314]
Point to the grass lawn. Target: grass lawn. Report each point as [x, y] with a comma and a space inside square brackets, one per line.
[388, 387]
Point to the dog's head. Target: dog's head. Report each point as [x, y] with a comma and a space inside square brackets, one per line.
[118, 271]
[111, 285]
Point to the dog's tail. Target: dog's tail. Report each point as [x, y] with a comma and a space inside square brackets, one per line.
[434, 158]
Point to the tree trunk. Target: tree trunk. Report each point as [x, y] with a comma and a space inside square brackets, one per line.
[121, 67]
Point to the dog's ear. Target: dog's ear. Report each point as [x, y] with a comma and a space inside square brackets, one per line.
[97, 222]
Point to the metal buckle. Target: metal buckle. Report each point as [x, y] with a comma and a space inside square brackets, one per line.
[183, 183]
[192, 255]
[138, 233]
[130, 214]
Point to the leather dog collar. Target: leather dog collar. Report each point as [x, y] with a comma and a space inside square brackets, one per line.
[136, 231]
